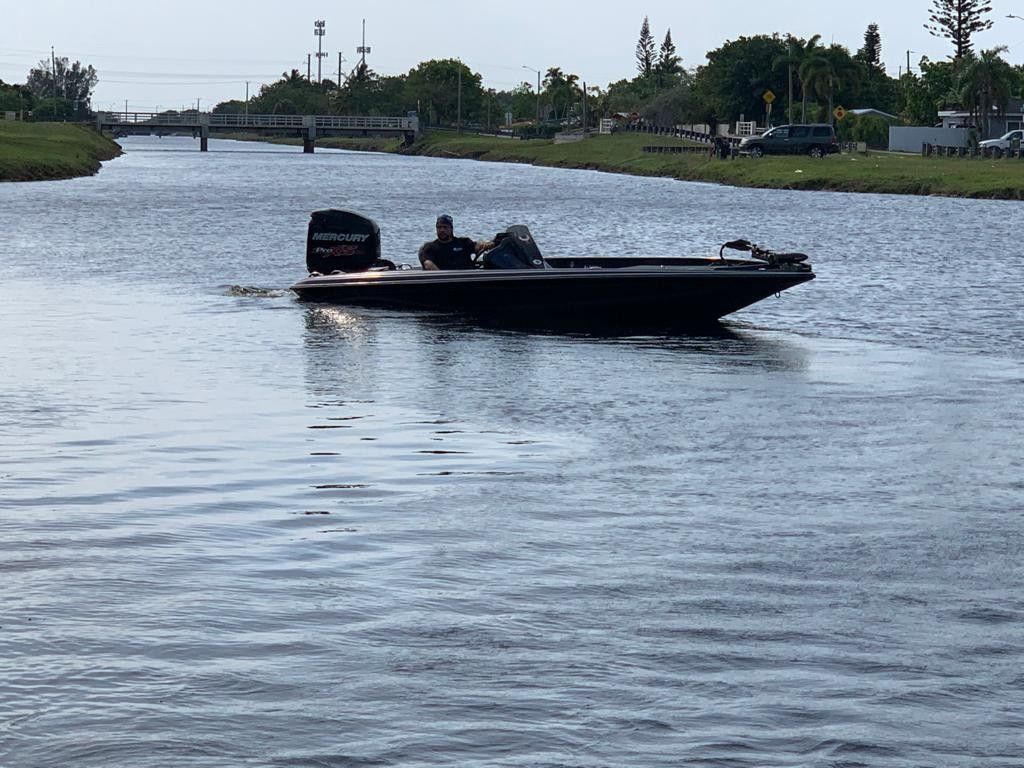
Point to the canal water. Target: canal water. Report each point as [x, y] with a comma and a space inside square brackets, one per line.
[239, 530]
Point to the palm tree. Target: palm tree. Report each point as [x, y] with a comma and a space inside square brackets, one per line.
[827, 70]
[572, 91]
[798, 53]
[554, 80]
[562, 88]
[986, 83]
[846, 73]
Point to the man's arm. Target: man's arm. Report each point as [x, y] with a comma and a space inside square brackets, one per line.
[425, 260]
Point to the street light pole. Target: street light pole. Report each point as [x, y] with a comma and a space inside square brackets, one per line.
[538, 91]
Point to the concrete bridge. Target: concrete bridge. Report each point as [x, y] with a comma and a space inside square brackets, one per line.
[307, 127]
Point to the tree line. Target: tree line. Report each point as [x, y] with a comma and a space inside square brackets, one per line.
[808, 78]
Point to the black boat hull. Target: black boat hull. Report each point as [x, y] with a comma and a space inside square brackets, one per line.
[693, 294]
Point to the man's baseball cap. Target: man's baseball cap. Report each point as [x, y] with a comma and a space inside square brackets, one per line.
[444, 218]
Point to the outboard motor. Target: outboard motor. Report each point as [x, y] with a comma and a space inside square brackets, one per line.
[514, 249]
[341, 241]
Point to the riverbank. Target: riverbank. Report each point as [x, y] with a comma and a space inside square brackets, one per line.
[40, 151]
[880, 172]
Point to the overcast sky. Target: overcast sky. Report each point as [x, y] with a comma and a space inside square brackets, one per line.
[171, 53]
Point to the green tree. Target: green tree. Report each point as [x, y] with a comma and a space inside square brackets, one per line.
[645, 50]
[790, 63]
[293, 94]
[871, 129]
[668, 67]
[625, 96]
[986, 84]
[597, 104]
[871, 52]
[827, 71]
[957, 21]
[359, 94]
[435, 86]
[522, 101]
[231, 107]
[736, 76]
[671, 106]
[797, 52]
[15, 98]
[877, 89]
[393, 96]
[562, 91]
[55, 78]
[924, 95]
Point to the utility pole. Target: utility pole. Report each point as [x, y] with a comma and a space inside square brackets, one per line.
[309, 67]
[339, 69]
[246, 102]
[319, 31]
[538, 91]
[53, 69]
[363, 49]
[789, 109]
[584, 106]
[908, 61]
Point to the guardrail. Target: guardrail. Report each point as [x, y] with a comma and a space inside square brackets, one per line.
[679, 149]
[938, 150]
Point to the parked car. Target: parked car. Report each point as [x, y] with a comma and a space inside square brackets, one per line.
[815, 139]
[1003, 143]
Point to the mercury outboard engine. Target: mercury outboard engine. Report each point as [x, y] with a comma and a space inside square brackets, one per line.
[514, 249]
[341, 241]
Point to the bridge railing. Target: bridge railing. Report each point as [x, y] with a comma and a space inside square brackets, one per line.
[218, 120]
[388, 123]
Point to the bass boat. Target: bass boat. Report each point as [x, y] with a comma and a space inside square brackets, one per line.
[515, 281]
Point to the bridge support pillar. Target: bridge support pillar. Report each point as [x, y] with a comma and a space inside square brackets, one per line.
[308, 133]
[204, 139]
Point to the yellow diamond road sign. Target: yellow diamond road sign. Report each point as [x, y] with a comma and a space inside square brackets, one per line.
[768, 97]
[839, 112]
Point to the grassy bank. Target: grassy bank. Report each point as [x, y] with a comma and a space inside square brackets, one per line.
[36, 151]
[623, 153]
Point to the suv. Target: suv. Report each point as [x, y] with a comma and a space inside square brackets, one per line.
[815, 139]
[998, 146]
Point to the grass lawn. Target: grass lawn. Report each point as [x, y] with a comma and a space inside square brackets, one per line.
[886, 172]
[33, 151]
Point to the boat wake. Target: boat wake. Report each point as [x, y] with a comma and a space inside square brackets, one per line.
[253, 291]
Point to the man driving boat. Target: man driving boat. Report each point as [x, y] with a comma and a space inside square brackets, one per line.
[448, 251]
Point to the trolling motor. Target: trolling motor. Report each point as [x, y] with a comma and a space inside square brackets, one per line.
[514, 248]
[762, 254]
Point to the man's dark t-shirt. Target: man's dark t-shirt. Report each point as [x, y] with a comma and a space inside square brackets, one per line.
[457, 253]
